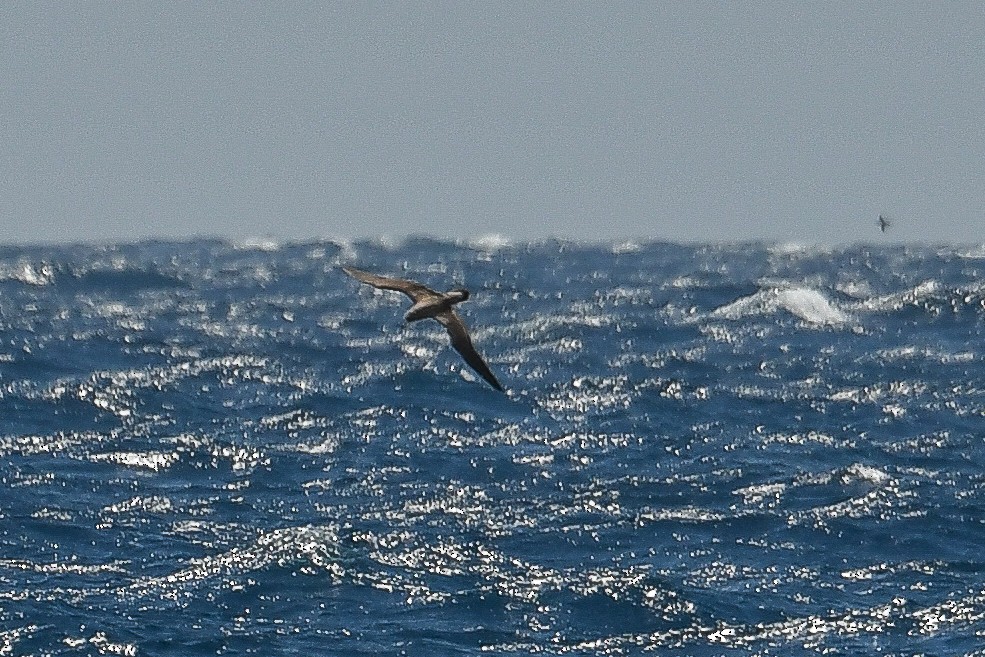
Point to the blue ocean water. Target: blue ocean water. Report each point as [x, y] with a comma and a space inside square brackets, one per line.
[213, 449]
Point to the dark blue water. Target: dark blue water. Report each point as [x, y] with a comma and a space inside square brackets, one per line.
[705, 450]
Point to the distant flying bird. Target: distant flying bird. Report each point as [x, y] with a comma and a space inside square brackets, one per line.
[436, 306]
[883, 223]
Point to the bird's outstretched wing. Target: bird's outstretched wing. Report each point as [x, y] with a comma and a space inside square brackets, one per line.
[414, 290]
[462, 343]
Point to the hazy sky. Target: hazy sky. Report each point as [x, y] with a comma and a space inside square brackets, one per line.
[683, 121]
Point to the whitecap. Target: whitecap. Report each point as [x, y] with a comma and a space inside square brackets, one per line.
[811, 306]
[898, 300]
[796, 249]
[786, 248]
[805, 303]
[974, 253]
[25, 272]
[152, 460]
[490, 243]
[629, 246]
[859, 471]
[265, 244]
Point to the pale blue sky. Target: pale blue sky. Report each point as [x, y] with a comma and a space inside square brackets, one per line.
[789, 121]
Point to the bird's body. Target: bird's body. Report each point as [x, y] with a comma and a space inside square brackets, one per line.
[883, 223]
[438, 306]
[433, 307]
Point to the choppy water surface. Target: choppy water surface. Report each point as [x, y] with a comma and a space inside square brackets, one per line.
[737, 450]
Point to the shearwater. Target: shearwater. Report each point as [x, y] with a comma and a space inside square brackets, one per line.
[429, 304]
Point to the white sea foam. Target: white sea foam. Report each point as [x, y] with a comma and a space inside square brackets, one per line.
[866, 473]
[898, 300]
[811, 306]
[265, 244]
[805, 303]
[490, 243]
[152, 460]
[973, 253]
[626, 247]
[27, 273]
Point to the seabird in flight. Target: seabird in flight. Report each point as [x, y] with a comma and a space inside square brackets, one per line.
[883, 223]
[436, 306]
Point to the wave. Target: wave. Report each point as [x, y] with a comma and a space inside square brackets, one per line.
[489, 243]
[242, 422]
[807, 304]
[931, 298]
[26, 272]
[897, 300]
[973, 253]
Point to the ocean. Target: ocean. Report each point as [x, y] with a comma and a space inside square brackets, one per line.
[753, 449]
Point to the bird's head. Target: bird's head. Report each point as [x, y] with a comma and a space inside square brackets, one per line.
[459, 293]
